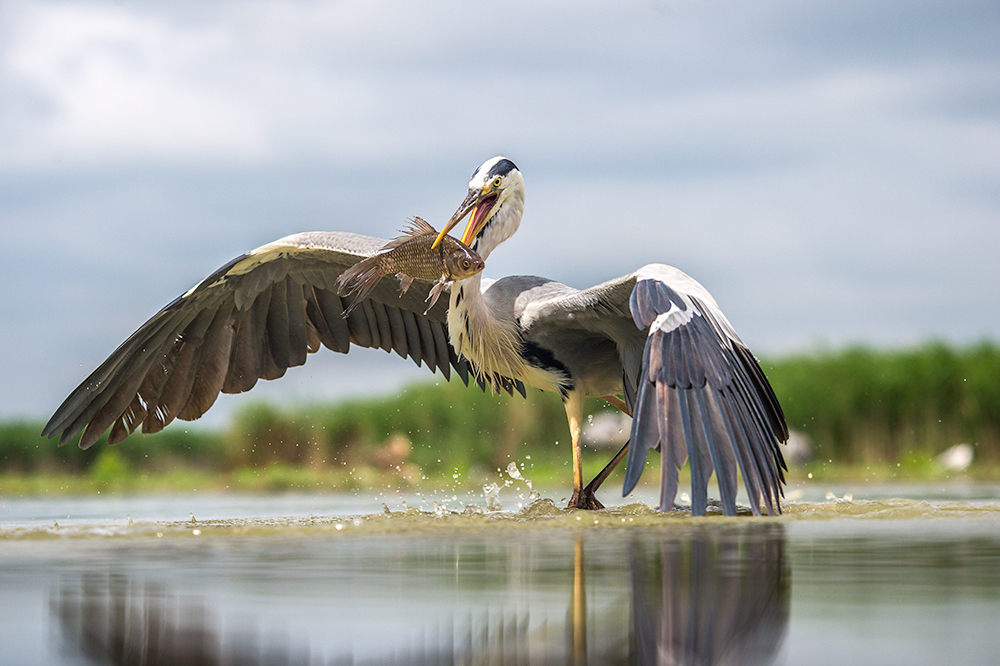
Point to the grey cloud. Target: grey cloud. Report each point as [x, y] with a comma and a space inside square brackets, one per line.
[826, 170]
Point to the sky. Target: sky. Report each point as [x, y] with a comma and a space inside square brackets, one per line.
[829, 171]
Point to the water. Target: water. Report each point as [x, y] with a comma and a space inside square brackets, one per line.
[333, 579]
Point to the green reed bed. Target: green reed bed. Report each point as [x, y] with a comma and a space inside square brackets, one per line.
[860, 409]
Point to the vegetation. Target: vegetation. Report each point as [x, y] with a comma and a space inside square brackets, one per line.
[863, 406]
[857, 407]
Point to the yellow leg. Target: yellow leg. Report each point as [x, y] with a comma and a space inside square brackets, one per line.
[574, 414]
[617, 403]
[587, 495]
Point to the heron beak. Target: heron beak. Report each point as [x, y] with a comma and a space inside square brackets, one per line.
[481, 203]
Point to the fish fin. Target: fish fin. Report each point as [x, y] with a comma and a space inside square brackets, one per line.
[395, 242]
[435, 293]
[404, 282]
[419, 226]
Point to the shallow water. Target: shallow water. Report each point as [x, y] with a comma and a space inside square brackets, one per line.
[347, 579]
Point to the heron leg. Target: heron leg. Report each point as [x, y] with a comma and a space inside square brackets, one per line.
[573, 404]
[617, 403]
[591, 488]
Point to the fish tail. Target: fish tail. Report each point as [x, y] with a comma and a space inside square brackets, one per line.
[360, 279]
[356, 276]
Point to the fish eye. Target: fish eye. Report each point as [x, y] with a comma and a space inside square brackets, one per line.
[497, 181]
[466, 264]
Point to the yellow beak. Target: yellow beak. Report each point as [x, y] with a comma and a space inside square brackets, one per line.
[481, 204]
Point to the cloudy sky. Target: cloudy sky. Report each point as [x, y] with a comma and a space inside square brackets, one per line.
[830, 171]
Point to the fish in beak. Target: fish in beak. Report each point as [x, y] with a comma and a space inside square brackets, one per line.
[482, 204]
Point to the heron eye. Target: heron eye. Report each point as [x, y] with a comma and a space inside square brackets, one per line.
[497, 181]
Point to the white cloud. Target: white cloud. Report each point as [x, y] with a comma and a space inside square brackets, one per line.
[99, 85]
[823, 169]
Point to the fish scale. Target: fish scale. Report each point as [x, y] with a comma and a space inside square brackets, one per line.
[412, 256]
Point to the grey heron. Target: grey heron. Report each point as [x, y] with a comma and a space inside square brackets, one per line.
[653, 343]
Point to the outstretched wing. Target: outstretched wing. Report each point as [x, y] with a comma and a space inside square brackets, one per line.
[252, 319]
[695, 390]
[701, 395]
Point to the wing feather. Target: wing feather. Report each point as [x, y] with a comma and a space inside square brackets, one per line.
[645, 436]
[719, 446]
[244, 366]
[103, 417]
[429, 347]
[103, 384]
[414, 346]
[397, 332]
[211, 375]
[175, 389]
[253, 318]
[277, 332]
[360, 329]
[382, 322]
[298, 331]
[710, 397]
[695, 390]
[332, 311]
[741, 445]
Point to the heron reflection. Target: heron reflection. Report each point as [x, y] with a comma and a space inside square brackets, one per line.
[696, 595]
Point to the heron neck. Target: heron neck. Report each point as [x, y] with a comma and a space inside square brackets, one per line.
[468, 302]
[483, 246]
[502, 226]
[489, 342]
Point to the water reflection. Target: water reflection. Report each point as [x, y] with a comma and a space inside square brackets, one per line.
[681, 594]
[714, 599]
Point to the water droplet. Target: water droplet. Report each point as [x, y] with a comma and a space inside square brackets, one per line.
[492, 494]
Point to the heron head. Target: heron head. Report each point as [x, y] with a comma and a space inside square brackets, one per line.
[496, 201]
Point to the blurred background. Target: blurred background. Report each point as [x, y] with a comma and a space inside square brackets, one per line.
[830, 172]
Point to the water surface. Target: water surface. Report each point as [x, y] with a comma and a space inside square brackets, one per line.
[335, 579]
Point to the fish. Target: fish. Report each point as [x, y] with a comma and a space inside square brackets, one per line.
[411, 257]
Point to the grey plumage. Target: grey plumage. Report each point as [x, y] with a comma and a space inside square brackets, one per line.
[254, 318]
[697, 372]
[696, 392]
[655, 337]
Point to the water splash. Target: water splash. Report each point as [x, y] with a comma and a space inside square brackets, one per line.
[515, 474]
[492, 494]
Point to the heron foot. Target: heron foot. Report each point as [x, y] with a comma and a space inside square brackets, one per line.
[584, 499]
